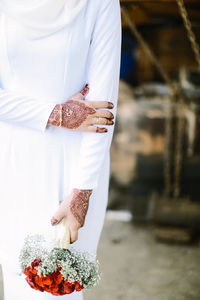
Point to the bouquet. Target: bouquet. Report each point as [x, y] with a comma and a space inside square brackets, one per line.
[56, 269]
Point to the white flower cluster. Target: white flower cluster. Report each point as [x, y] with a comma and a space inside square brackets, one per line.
[75, 265]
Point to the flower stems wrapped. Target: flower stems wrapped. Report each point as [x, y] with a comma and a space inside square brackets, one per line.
[57, 270]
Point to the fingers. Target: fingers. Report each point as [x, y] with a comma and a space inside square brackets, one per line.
[73, 230]
[82, 94]
[101, 121]
[73, 234]
[54, 221]
[104, 114]
[85, 90]
[58, 216]
[101, 104]
[95, 129]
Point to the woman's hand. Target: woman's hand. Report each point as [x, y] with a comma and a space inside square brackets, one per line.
[74, 208]
[81, 115]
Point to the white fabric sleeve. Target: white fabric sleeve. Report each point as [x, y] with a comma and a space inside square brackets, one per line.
[103, 78]
[24, 110]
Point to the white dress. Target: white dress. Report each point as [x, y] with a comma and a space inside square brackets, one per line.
[40, 164]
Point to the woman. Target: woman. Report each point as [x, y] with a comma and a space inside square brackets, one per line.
[51, 152]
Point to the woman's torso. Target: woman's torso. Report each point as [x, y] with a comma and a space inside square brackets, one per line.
[53, 68]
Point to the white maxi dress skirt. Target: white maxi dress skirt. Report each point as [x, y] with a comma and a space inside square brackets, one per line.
[40, 163]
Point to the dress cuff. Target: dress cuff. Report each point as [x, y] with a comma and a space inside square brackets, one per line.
[42, 123]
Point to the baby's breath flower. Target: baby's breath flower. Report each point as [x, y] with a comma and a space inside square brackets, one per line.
[75, 265]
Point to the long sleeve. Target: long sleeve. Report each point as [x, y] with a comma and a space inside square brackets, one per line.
[24, 110]
[103, 78]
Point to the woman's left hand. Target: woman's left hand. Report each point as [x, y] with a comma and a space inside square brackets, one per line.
[74, 208]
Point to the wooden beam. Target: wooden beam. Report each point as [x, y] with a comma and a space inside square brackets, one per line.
[160, 12]
[138, 14]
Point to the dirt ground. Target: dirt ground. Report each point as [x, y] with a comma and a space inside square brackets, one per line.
[136, 267]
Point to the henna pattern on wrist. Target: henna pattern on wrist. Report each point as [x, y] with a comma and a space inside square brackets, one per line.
[54, 118]
[79, 204]
[75, 113]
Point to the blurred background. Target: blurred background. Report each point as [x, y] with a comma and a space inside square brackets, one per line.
[150, 245]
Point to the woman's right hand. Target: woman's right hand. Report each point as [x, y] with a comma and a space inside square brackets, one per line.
[74, 208]
[81, 115]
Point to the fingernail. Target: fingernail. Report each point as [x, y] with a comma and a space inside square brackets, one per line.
[101, 130]
[54, 221]
[110, 123]
[86, 87]
[85, 90]
[110, 105]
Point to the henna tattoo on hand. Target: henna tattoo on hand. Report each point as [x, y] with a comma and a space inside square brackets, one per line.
[54, 118]
[75, 113]
[79, 204]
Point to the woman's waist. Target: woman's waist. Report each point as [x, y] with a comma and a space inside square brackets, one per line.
[53, 135]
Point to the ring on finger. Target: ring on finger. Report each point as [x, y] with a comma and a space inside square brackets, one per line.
[96, 120]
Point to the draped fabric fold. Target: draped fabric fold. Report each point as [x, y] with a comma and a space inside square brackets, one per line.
[42, 17]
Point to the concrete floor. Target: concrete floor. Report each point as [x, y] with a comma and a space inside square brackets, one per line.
[135, 267]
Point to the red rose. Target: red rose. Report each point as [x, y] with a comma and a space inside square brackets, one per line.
[27, 272]
[66, 283]
[38, 280]
[57, 293]
[57, 277]
[34, 271]
[52, 283]
[33, 285]
[36, 262]
[47, 280]
[58, 268]
[52, 288]
[69, 290]
[68, 287]
[78, 287]
[30, 271]
[43, 280]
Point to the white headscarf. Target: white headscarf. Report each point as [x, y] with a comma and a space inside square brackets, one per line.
[42, 17]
